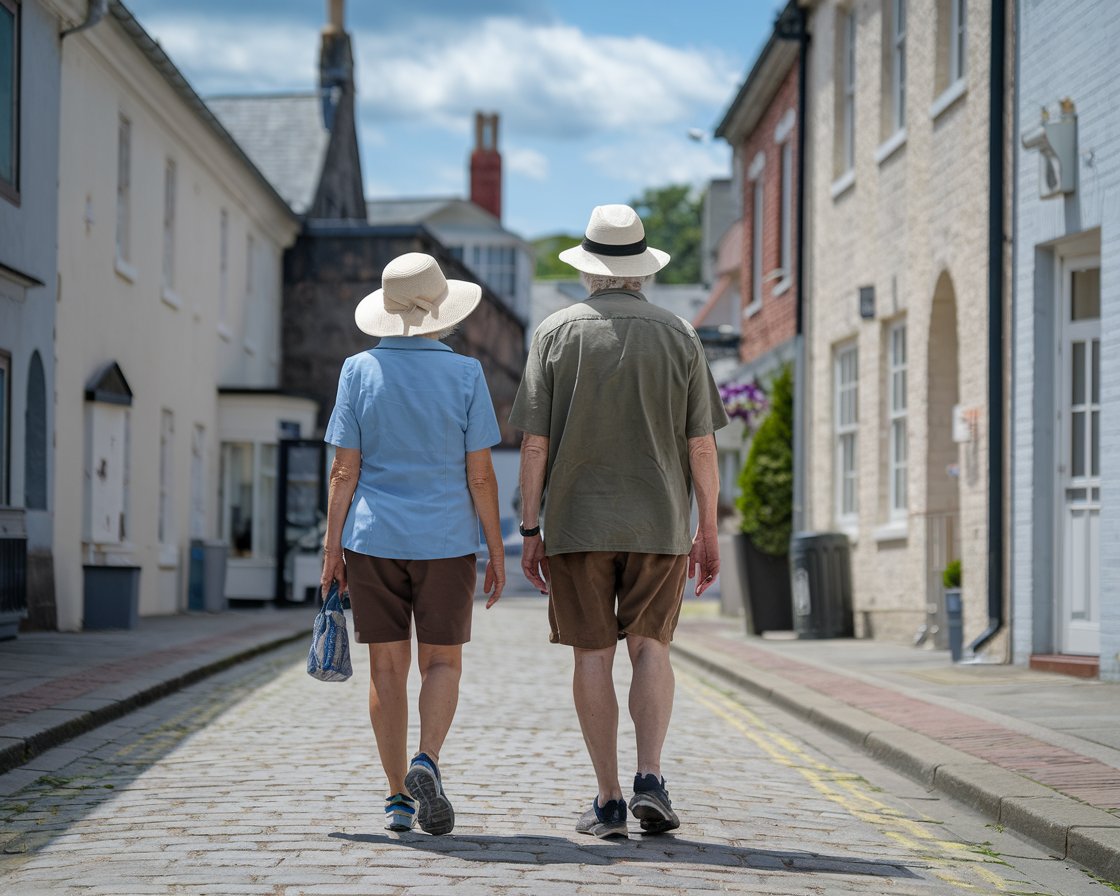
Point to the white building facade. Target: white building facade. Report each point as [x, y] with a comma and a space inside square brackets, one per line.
[169, 261]
[1065, 519]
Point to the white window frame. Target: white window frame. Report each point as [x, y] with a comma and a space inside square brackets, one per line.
[124, 197]
[785, 210]
[846, 386]
[223, 273]
[898, 64]
[170, 189]
[758, 208]
[166, 525]
[264, 464]
[848, 123]
[9, 183]
[198, 481]
[897, 428]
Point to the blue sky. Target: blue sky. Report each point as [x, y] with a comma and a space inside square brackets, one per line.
[596, 98]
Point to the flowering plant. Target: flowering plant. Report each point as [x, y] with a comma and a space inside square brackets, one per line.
[746, 402]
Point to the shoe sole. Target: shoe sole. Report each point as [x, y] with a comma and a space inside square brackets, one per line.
[653, 816]
[434, 814]
[607, 831]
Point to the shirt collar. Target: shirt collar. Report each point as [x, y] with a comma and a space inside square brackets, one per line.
[633, 293]
[420, 343]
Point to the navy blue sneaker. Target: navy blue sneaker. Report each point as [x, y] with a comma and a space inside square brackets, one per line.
[651, 806]
[604, 821]
[423, 781]
[400, 812]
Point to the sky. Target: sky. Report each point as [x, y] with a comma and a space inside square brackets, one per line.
[597, 98]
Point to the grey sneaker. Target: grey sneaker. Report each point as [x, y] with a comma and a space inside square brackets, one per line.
[604, 821]
[651, 806]
[400, 812]
[424, 783]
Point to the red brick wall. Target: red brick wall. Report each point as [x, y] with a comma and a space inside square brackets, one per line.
[776, 322]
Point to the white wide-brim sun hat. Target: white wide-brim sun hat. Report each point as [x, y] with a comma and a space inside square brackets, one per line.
[415, 299]
[614, 245]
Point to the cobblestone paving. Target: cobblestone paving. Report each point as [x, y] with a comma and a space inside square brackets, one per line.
[261, 780]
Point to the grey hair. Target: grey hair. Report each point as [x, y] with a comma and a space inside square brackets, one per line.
[596, 282]
[450, 331]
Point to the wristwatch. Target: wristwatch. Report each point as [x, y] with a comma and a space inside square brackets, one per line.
[529, 533]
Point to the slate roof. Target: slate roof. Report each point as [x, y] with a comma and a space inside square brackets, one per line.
[284, 136]
[405, 211]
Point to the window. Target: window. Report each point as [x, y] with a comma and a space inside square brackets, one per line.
[5, 423]
[124, 176]
[223, 267]
[9, 99]
[250, 255]
[957, 45]
[198, 481]
[756, 247]
[896, 416]
[166, 526]
[169, 187]
[248, 498]
[785, 209]
[898, 65]
[845, 81]
[35, 437]
[846, 378]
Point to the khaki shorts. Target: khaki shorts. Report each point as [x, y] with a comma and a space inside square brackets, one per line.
[385, 595]
[583, 588]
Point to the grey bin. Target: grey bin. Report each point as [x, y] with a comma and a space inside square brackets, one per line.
[206, 591]
[820, 564]
[111, 597]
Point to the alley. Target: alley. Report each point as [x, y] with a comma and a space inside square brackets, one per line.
[261, 780]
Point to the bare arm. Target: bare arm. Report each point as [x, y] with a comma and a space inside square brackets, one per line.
[484, 492]
[534, 463]
[343, 481]
[703, 559]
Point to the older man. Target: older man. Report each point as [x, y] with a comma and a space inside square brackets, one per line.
[618, 408]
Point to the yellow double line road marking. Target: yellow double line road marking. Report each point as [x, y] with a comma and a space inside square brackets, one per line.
[947, 858]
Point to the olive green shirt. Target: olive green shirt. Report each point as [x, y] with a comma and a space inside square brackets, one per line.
[618, 386]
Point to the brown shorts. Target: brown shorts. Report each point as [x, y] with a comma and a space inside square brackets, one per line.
[386, 594]
[583, 588]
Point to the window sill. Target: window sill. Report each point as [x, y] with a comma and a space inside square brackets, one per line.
[843, 183]
[851, 529]
[124, 269]
[752, 309]
[890, 146]
[170, 298]
[898, 530]
[224, 332]
[950, 95]
[782, 286]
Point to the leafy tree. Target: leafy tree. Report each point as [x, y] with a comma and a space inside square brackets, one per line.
[765, 499]
[671, 216]
[549, 266]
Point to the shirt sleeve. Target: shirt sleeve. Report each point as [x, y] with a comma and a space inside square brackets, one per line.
[532, 407]
[342, 429]
[706, 413]
[482, 422]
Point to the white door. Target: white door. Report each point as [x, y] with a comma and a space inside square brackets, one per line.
[1079, 480]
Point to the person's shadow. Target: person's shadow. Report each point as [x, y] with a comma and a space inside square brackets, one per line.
[529, 849]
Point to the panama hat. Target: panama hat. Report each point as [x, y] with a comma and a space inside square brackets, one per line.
[415, 299]
[614, 245]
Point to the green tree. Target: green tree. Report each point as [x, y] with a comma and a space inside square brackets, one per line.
[549, 266]
[765, 499]
[671, 216]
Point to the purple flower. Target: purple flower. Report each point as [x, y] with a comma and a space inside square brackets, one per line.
[744, 401]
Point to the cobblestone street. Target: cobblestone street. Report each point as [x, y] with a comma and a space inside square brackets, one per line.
[262, 780]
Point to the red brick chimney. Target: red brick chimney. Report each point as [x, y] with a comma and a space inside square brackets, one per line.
[486, 165]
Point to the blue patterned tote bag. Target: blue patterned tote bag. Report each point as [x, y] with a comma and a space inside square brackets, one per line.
[329, 657]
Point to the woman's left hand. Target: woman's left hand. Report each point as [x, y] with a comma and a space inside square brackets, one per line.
[495, 580]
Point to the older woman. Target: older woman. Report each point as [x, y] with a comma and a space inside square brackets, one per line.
[412, 476]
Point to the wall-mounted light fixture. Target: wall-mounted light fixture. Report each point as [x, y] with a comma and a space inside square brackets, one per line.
[1056, 142]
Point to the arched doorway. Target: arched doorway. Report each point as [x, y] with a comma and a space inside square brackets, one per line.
[942, 467]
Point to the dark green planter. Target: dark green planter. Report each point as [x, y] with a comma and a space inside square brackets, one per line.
[767, 598]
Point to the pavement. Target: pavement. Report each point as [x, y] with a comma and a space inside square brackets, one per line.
[1037, 753]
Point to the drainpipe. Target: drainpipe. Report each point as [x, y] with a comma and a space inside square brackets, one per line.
[995, 328]
[94, 14]
[798, 29]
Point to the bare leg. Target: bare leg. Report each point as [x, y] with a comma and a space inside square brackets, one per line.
[441, 666]
[651, 699]
[388, 707]
[597, 708]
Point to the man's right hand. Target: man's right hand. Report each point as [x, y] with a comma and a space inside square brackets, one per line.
[534, 563]
[703, 560]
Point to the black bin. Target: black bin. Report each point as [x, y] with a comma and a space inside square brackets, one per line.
[821, 570]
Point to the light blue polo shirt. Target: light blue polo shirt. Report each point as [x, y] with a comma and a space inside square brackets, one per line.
[414, 408]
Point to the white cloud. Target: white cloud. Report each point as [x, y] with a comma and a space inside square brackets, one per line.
[655, 159]
[528, 162]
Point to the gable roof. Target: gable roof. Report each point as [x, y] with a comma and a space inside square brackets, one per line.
[406, 211]
[284, 136]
